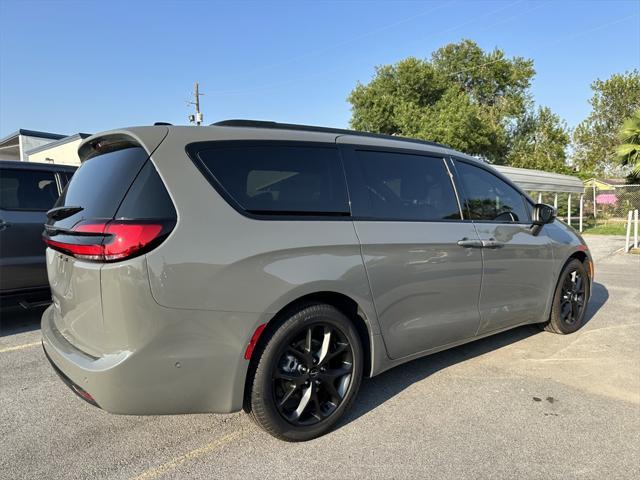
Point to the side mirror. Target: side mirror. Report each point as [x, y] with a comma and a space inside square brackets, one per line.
[543, 214]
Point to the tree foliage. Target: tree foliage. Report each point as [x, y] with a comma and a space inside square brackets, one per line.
[628, 150]
[463, 97]
[596, 138]
[480, 102]
[540, 142]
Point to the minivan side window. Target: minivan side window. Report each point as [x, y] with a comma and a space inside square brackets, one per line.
[27, 189]
[401, 186]
[278, 179]
[489, 198]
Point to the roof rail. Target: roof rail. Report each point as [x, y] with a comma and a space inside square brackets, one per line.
[313, 128]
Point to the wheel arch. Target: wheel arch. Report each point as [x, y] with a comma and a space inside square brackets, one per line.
[582, 254]
[344, 303]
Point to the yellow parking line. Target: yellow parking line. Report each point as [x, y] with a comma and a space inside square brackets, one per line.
[19, 347]
[193, 454]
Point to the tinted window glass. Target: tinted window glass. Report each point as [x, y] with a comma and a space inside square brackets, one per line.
[488, 197]
[273, 179]
[27, 189]
[99, 185]
[407, 187]
[147, 197]
[528, 207]
[64, 178]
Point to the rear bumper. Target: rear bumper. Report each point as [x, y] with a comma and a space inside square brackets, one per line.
[168, 375]
[83, 394]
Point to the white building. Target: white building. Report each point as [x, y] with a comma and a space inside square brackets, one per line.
[43, 147]
[63, 151]
[16, 145]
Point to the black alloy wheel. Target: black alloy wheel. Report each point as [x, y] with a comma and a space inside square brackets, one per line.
[306, 372]
[570, 299]
[573, 302]
[313, 373]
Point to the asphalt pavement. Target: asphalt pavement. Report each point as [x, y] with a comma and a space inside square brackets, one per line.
[522, 404]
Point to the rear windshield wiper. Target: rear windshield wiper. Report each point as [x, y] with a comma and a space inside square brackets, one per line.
[59, 213]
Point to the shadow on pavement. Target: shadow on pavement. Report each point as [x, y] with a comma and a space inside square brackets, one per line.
[599, 296]
[17, 320]
[377, 390]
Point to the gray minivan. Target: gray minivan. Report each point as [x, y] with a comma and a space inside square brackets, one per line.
[270, 267]
[27, 191]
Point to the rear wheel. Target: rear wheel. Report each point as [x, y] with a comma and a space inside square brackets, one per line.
[308, 374]
[570, 299]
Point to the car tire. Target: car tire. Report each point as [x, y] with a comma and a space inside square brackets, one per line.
[308, 374]
[570, 299]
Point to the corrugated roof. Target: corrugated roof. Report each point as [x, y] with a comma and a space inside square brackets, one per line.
[539, 181]
[31, 133]
[56, 143]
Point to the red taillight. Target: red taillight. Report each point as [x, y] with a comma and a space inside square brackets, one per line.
[86, 252]
[128, 238]
[108, 241]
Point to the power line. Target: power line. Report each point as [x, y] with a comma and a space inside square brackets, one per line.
[594, 29]
[359, 37]
[584, 32]
[337, 45]
[280, 85]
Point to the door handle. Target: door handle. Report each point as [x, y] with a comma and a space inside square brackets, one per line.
[4, 225]
[466, 243]
[492, 243]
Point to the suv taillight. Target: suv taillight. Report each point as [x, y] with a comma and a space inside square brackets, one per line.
[109, 241]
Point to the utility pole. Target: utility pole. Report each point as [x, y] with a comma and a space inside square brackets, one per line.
[197, 118]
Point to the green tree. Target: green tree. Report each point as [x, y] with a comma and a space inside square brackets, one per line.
[489, 78]
[463, 96]
[629, 149]
[540, 141]
[596, 138]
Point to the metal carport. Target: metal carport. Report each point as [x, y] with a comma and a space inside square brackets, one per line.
[547, 182]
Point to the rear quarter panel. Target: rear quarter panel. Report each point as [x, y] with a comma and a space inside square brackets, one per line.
[217, 259]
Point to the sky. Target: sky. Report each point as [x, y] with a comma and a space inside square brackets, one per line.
[68, 66]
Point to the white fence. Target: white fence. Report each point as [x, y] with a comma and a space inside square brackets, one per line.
[610, 206]
[632, 220]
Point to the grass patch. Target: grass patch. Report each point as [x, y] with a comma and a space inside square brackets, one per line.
[606, 229]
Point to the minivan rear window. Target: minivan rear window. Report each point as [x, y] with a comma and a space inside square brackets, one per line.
[100, 184]
[147, 198]
[277, 179]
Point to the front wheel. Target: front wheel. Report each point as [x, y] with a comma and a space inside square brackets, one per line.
[570, 299]
[308, 374]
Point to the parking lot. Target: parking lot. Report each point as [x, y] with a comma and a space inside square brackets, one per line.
[523, 404]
